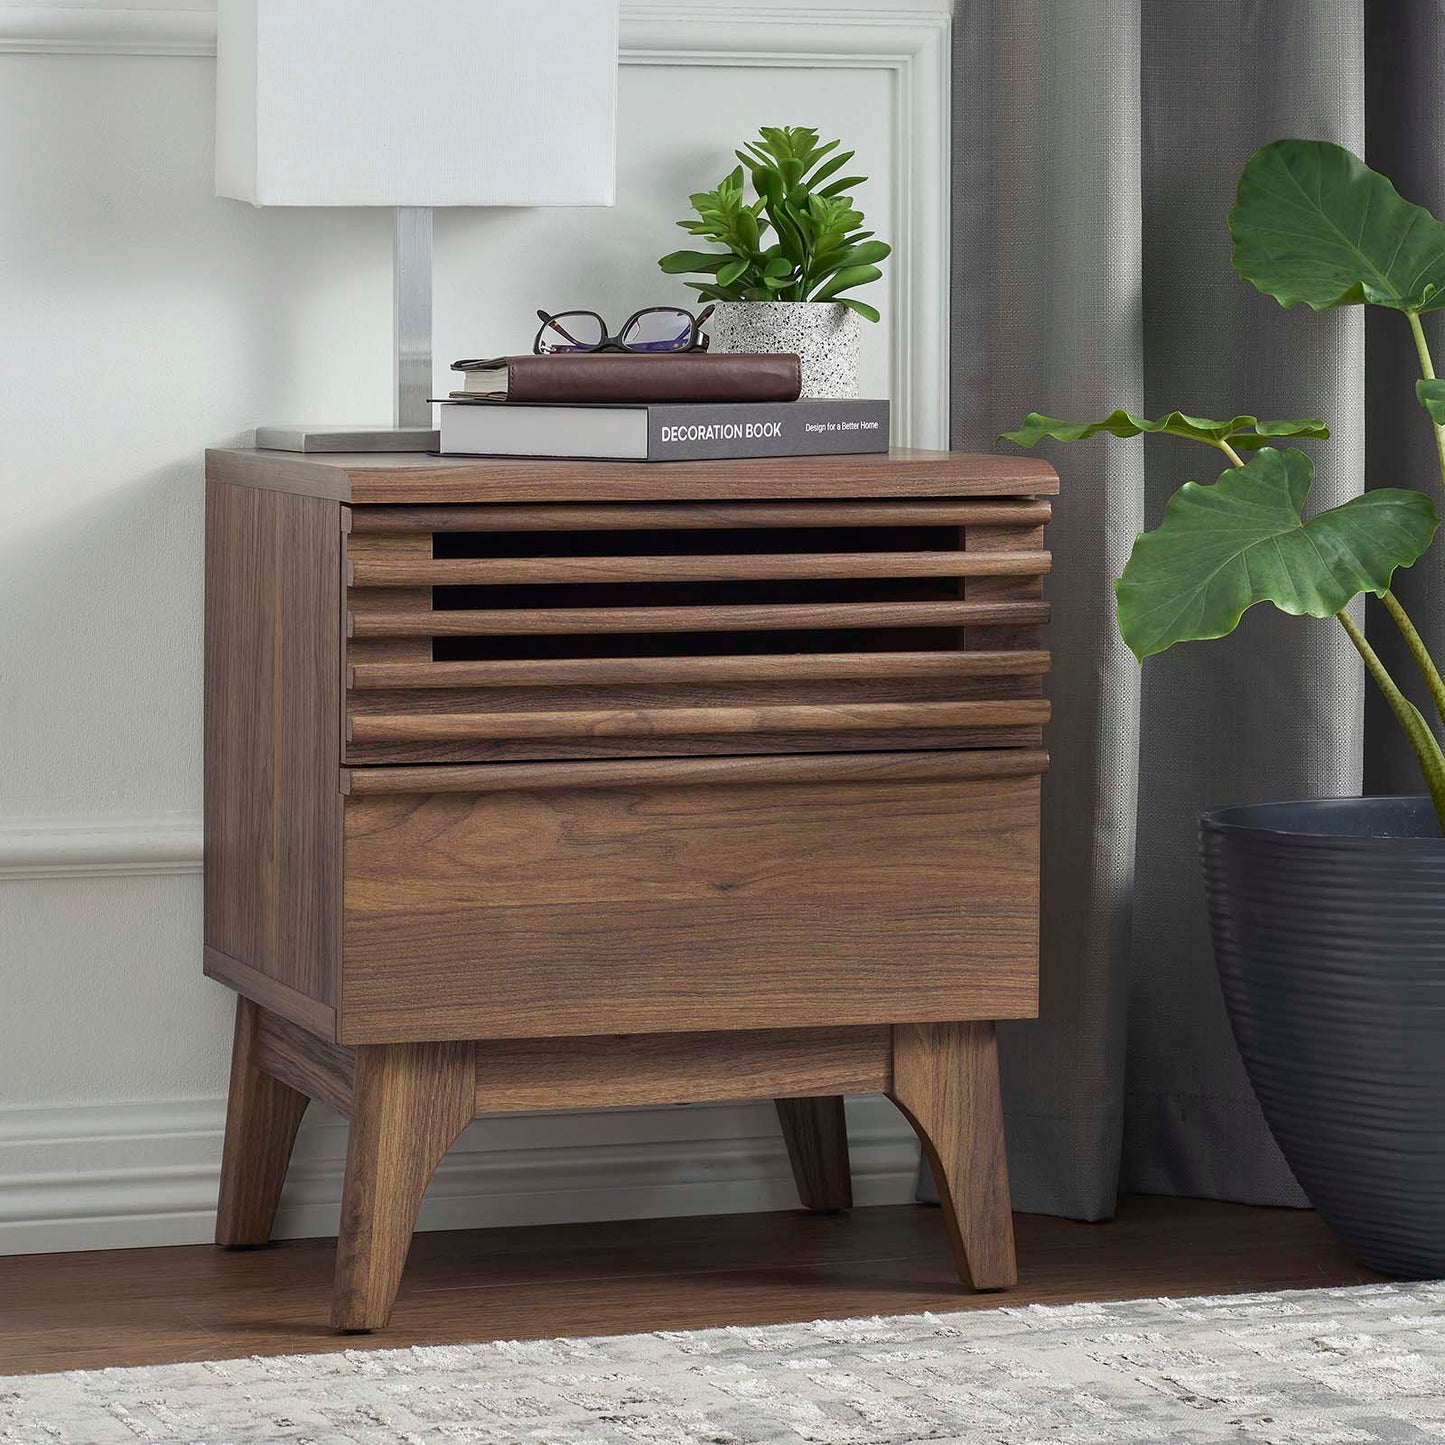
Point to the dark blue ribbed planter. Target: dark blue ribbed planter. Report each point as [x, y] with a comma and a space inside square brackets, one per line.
[1329, 934]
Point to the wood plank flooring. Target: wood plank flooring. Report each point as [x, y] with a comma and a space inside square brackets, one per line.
[150, 1306]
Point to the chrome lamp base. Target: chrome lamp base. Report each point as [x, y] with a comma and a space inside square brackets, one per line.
[411, 313]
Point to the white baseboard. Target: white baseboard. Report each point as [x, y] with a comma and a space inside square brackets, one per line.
[116, 1176]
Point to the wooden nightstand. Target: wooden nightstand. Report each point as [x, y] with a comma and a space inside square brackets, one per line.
[540, 785]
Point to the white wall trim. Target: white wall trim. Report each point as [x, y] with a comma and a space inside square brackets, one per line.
[908, 40]
[86, 848]
[124, 1175]
[188, 27]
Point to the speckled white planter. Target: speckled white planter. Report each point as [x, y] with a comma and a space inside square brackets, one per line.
[823, 333]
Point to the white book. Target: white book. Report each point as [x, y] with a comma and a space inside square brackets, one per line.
[682, 431]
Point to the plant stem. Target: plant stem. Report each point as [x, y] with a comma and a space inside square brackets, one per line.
[1418, 651]
[1427, 750]
[1235, 460]
[1427, 370]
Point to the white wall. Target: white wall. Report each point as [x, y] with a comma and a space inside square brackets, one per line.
[142, 320]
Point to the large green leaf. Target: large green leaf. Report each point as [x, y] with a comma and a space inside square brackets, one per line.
[1243, 433]
[1222, 548]
[1432, 398]
[1313, 223]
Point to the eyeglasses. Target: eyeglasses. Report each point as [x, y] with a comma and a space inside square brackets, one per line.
[661, 329]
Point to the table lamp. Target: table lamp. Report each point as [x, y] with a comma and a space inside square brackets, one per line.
[413, 104]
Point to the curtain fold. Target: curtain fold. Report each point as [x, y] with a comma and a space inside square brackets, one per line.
[1097, 144]
[1405, 52]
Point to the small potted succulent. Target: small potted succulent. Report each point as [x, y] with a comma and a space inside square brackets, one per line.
[1328, 915]
[788, 256]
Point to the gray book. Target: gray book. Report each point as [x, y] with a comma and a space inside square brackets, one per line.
[671, 432]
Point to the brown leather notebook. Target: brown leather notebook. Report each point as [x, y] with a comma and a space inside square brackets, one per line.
[619, 377]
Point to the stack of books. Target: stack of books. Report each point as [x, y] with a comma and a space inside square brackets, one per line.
[621, 406]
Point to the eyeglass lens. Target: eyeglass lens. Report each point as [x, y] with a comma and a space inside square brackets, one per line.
[661, 329]
[572, 331]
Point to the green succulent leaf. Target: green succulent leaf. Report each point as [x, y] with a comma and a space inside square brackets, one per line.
[732, 270]
[680, 262]
[1243, 433]
[1432, 398]
[799, 239]
[867, 312]
[829, 167]
[1222, 548]
[1313, 223]
[845, 280]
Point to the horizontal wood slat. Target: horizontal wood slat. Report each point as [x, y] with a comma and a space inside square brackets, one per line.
[632, 671]
[707, 772]
[654, 722]
[702, 516]
[758, 618]
[741, 567]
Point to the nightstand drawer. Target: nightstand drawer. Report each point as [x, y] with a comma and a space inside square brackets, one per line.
[507, 633]
[671, 895]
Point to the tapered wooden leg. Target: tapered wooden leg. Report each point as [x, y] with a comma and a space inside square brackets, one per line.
[409, 1104]
[945, 1079]
[262, 1117]
[817, 1139]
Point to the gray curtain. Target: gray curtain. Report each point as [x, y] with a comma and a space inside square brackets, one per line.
[1097, 144]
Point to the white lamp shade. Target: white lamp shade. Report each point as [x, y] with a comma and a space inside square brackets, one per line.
[417, 102]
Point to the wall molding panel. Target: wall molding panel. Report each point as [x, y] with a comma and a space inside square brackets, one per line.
[116, 1172]
[126, 1175]
[909, 41]
[120, 847]
[188, 27]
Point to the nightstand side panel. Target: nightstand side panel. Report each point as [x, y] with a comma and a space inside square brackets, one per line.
[272, 748]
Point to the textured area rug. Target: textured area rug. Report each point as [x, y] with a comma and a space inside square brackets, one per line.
[1341, 1365]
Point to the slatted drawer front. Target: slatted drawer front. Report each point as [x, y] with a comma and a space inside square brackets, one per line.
[491, 633]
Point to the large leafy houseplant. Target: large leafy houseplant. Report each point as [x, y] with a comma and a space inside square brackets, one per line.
[800, 238]
[1311, 223]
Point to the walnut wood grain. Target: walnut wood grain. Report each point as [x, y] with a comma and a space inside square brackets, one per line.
[647, 772]
[774, 905]
[723, 567]
[667, 722]
[262, 1117]
[709, 516]
[527, 916]
[701, 745]
[417, 479]
[501, 622]
[410, 1103]
[273, 996]
[642, 671]
[117, 1307]
[816, 1134]
[1002, 587]
[945, 1080]
[272, 735]
[704, 693]
[639, 1069]
[312, 1066]
[393, 549]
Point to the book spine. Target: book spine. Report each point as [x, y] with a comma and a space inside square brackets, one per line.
[789, 429]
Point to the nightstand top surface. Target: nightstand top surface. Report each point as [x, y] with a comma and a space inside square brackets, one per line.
[420, 478]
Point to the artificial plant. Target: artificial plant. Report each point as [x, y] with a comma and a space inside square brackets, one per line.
[818, 249]
[1311, 223]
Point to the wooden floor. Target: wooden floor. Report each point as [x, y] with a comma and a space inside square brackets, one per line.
[149, 1306]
